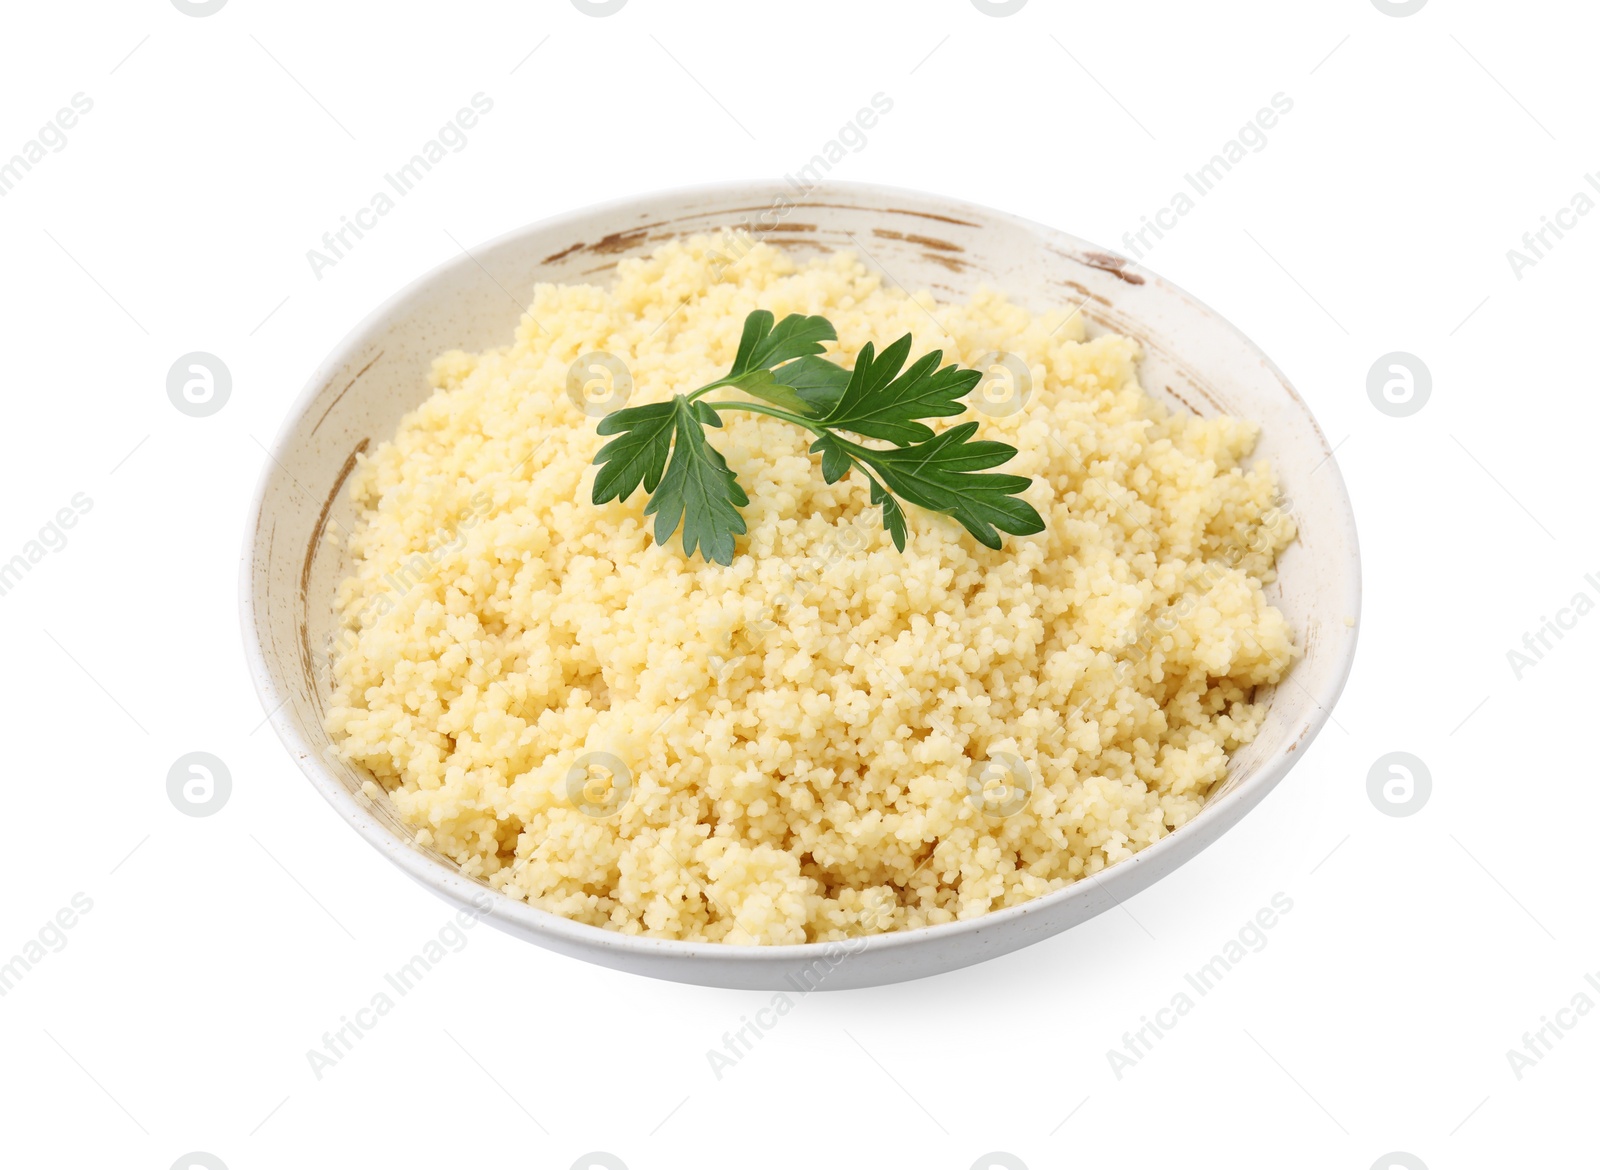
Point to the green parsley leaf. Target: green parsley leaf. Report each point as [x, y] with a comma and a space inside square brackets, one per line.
[639, 454]
[697, 490]
[894, 516]
[809, 385]
[763, 345]
[816, 380]
[836, 461]
[944, 475]
[881, 405]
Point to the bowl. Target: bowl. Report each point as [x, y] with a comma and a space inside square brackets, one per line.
[1193, 359]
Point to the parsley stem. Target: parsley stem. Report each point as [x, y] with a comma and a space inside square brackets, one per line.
[773, 411]
[707, 388]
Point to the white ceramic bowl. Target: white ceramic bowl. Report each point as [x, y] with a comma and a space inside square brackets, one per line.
[1193, 358]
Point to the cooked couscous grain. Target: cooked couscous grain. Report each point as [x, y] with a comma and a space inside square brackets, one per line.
[800, 745]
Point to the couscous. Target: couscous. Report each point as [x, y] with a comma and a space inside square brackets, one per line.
[828, 737]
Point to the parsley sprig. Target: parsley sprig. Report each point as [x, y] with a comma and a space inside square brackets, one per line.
[663, 445]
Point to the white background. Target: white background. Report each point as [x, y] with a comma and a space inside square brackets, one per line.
[1378, 217]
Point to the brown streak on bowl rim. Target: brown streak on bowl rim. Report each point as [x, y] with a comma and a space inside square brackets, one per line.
[1115, 265]
[913, 238]
[346, 390]
[564, 253]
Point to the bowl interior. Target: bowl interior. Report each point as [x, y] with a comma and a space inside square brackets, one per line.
[1193, 359]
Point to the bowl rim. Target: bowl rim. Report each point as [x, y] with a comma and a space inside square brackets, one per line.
[449, 883]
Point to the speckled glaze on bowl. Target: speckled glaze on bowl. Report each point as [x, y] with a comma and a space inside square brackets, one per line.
[1192, 358]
